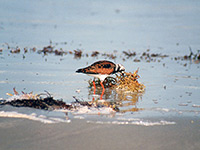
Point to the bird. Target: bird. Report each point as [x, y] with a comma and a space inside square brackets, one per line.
[101, 69]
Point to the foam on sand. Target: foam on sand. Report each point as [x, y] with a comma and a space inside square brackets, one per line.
[33, 116]
[135, 122]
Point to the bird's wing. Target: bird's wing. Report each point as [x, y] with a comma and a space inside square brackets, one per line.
[100, 67]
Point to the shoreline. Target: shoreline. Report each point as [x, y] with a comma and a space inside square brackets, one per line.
[22, 134]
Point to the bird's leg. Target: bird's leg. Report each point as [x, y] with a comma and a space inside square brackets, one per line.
[94, 87]
[102, 90]
[102, 85]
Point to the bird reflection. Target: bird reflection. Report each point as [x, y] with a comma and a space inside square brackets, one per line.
[123, 101]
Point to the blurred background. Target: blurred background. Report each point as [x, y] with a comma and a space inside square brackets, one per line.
[171, 26]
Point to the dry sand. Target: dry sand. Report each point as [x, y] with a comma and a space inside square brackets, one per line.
[23, 134]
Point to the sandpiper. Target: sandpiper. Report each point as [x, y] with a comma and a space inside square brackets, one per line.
[102, 69]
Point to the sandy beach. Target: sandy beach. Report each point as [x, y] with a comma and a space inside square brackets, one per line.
[21, 134]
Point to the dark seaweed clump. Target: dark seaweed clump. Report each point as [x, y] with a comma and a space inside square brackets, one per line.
[47, 103]
[145, 56]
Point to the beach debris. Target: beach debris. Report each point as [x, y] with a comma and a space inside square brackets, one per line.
[18, 96]
[50, 49]
[152, 57]
[33, 49]
[109, 55]
[125, 81]
[129, 53]
[60, 52]
[145, 56]
[95, 54]
[49, 103]
[97, 104]
[77, 53]
[129, 82]
[34, 101]
[195, 57]
[16, 50]
[47, 49]
[25, 49]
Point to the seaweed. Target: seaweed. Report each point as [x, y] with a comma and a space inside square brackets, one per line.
[126, 81]
[129, 82]
[16, 50]
[77, 53]
[145, 56]
[191, 56]
[129, 53]
[95, 54]
[49, 103]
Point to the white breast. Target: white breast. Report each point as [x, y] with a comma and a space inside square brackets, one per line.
[100, 76]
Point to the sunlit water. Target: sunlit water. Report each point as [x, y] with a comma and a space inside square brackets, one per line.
[166, 27]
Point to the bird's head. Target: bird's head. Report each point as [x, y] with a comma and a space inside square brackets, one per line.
[119, 68]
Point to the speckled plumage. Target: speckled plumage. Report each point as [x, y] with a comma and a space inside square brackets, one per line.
[101, 69]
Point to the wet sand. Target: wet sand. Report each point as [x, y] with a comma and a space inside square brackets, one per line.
[21, 134]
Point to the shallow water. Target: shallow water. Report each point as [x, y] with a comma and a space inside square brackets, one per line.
[167, 27]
